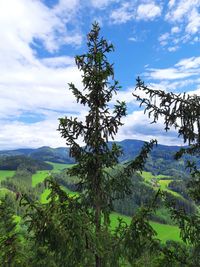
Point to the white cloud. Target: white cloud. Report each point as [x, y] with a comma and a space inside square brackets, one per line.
[102, 3]
[175, 29]
[137, 125]
[196, 39]
[21, 71]
[132, 39]
[173, 48]
[184, 17]
[18, 134]
[163, 39]
[64, 6]
[123, 14]
[29, 84]
[193, 25]
[148, 11]
[55, 62]
[181, 9]
[171, 3]
[169, 74]
[36, 87]
[185, 68]
[132, 11]
[189, 63]
[23, 21]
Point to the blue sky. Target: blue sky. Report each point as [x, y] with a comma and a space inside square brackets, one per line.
[157, 40]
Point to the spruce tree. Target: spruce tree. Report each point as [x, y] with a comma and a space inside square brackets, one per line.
[99, 125]
[76, 229]
[181, 111]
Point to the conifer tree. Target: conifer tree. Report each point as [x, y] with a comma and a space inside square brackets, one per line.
[77, 229]
[99, 125]
[181, 111]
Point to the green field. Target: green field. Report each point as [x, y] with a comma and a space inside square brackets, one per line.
[57, 167]
[164, 186]
[40, 176]
[164, 231]
[5, 174]
[148, 176]
[159, 182]
[44, 196]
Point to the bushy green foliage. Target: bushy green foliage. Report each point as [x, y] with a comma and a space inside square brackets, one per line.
[12, 252]
[182, 112]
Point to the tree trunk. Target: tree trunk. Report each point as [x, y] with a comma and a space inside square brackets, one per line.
[98, 224]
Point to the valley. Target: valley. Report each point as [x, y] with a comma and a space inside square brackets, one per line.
[165, 231]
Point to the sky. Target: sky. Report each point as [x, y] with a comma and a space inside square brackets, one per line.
[157, 40]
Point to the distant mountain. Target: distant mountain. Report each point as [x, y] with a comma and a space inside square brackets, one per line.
[131, 149]
[45, 153]
[160, 160]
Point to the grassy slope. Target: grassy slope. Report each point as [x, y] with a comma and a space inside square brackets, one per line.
[44, 196]
[163, 184]
[59, 166]
[5, 174]
[40, 176]
[164, 231]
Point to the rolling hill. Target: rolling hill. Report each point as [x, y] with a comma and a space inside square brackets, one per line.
[160, 161]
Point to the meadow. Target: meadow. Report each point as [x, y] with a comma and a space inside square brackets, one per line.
[159, 182]
[164, 232]
[5, 173]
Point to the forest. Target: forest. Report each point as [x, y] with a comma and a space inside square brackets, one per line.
[107, 203]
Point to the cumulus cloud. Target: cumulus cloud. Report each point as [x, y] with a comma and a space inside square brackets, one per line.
[34, 84]
[18, 134]
[28, 83]
[148, 11]
[137, 125]
[135, 11]
[122, 14]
